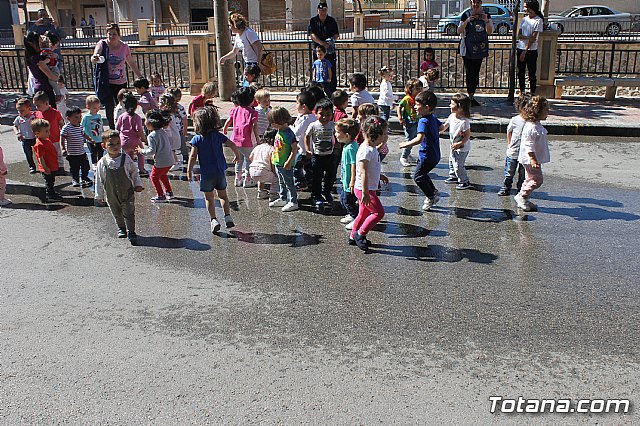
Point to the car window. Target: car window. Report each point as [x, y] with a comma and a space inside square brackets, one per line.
[493, 11]
[604, 11]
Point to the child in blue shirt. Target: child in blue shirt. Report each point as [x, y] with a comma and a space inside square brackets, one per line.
[346, 130]
[428, 136]
[206, 148]
[321, 71]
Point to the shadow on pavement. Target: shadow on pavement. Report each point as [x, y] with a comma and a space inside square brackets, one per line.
[297, 239]
[406, 230]
[483, 215]
[589, 213]
[172, 243]
[577, 200]
[434, 253]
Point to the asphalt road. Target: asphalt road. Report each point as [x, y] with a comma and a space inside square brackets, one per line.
[280, 322]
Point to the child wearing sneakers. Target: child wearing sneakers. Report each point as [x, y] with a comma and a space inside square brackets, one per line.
[360, 95]
[244, 119]
[4, 201]
[206, 148]
[387, 98]
[409, 117]
[534, 150]
[319, 143]
[459, 127]
[22, 129]
[263, 96]
[160, 148]
[53, 116]
[117, 181]
[284, 155]
[346, 132]
[514, 132]
[428, 137]
[92, 123]
[262, 169]
[305, 103]
[73, 139]
[47, 157]
[132, 135]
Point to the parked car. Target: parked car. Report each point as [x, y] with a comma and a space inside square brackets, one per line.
[591, 19]
[501, 17]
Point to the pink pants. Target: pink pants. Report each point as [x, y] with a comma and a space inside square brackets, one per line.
[369, 215]
[532, 180]
[130, 151]
[3, 186]
[159, 175]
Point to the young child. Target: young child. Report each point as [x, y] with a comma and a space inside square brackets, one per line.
[244, 119]
[120, 109]
[207, 92]
[160, 148]
[358, 85]
[284, 154]
[340, 100]
[169, 106]
[263, 96]
[117, 181]
[52, 115]
[459, 127]
[251, 74]
[534, 150]
[206, 148]
[47, 157]
[428, 137]
[387, 98]
[321, 71]
[73, 139]
[129, 125]
[157, 87]
[319, 143]
[429, 77]
[92, 123]
[514, 133]
[147, 101]
[22, 129]
[409, 117]
[429, 60]
[262, 169]
[61, 103]
[305, 104]
[4, 201]
[49, 43]
[368, 175]
[181, 120]
[346, 132]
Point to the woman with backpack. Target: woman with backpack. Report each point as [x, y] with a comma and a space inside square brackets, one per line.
[475, 27]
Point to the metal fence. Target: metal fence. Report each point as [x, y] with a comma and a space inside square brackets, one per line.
[605, 59]
[171, 62]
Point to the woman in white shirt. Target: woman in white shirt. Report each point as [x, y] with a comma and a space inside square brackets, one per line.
[246, 41]
[532, 24]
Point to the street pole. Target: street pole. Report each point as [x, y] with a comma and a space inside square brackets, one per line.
[513, 58]
[226, 72]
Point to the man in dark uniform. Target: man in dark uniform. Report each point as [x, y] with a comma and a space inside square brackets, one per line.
[323, 30]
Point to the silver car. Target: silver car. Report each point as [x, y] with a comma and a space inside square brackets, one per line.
[591, 19]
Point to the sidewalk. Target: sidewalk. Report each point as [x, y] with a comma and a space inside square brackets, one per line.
[570, 116]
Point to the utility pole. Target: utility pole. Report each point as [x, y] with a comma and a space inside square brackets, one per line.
[514, 53]
[226, 72]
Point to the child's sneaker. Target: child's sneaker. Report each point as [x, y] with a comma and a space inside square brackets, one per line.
[122, 232]
[290, 207]
[451, 179]
[5, 202]
[75, 183]
[347, 219]
[33, 170]
[159, 199]
[430, 202]
[349, 226]
[262, 194]
[318, 202]
[361, 241]
[278, 203]
[504, 191]
[463, 186]
[228, 221]
[133, 238]
[87, 183]
[143, 173]
[404, 162]
[169, 195]
[521, 202]
[411, 159]
[328, 198]
[215, 225]
[249, 183]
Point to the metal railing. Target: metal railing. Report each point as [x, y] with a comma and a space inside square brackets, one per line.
[606, 29]
[600, 59]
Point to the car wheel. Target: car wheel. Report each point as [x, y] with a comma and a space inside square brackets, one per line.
[503, 29]
[613, 29]
[451, 30]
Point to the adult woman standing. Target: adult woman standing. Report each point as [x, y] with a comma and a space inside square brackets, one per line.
[532, 25]
[119, 55]
[37, 65]
[475, 28]
[246, 41]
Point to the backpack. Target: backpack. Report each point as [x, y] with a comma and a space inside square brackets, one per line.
[476, 40]
[101, 76]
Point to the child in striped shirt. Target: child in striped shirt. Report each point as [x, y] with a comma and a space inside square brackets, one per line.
[72, 140]
[263, 96]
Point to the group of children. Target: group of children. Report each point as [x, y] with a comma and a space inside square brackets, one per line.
[272, 151]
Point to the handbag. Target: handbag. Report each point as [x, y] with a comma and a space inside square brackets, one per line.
[101, 77]
[268, 62]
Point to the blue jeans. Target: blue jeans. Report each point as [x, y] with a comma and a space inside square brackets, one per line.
[422, 179]
[410, 132]
[287, 187]
[302, 171]
[348, 201]
[385, 112]
[510, 166]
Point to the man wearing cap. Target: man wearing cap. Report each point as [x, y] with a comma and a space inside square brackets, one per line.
[323, 30]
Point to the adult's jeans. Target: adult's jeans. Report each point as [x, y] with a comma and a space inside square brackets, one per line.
[530, 63]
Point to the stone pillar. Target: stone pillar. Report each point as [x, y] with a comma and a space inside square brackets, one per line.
[211, 25]
[202, 65]
[358, 26]
[546, 69]
[254, 11]
[143, 31]
[18, 35]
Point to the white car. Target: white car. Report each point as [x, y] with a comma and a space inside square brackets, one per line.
[591, 19]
